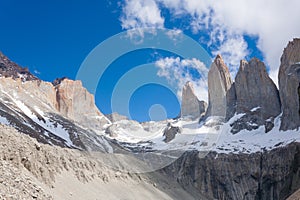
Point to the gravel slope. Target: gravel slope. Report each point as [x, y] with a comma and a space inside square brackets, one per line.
[30, 170]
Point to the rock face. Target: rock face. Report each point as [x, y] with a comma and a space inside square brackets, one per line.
[76, 103]
[272, 175]
[31, 108]
[254, 87]
[230, 102]
[67, 97]
[219, 83]
[170, 132]
[289, 86]
[256, 96]
[62, 113]
[191, 106]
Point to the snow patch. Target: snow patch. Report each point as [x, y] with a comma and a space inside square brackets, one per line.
[4, 121]
[255, 109]
[213, 135]
[57, 129]
[255, 140]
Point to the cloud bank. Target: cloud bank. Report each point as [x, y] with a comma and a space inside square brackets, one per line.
[274, 23]
[179, 71]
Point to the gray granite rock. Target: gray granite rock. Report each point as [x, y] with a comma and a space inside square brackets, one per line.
[267, 175]
[289, 86]
[231, 102]
[191, 106]
[256, 96]
[219, 83]
[170, 132]
[254, 88]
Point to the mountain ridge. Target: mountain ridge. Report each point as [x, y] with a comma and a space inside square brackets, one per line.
[236, 151]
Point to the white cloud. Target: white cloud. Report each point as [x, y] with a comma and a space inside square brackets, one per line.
[36, 72]
[179, 71]
[227, 48]
[273, 22]
[174, 34]
[139, 14]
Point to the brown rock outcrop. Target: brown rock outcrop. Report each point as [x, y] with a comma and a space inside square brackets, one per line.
[76, 103]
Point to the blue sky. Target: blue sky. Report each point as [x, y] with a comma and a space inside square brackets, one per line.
[53, 38]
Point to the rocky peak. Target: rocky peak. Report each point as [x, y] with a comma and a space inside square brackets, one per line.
[224, 71]
[289, 86]
[256, 96]
[253, 86]
[11, 69]
[64, 96]
[76, 103]
[219, 82]
[191, 106]
[291, 53]
[57, 81]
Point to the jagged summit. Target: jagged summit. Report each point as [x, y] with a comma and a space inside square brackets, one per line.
[191, 106]
[57, 81]
[219, 82]
[255, 95]
[253, 88]
[63, 113]
[11, 69]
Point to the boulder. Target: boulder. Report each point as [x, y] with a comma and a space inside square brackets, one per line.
[289, 86]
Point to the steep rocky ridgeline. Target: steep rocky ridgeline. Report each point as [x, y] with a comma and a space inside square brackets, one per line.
[272, 175]
[190, 105]
[62, 113]
[289, 85]
[219, 83]
[64, 96]
[11, 69]
[256, 96]
[76, 103]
